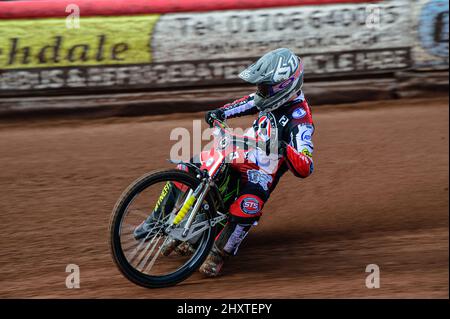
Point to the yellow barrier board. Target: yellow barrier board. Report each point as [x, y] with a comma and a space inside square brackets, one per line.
[37, 43]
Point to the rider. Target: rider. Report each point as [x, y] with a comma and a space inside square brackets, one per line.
[284, 117]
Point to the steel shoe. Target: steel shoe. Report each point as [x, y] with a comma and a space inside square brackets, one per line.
[213, 263]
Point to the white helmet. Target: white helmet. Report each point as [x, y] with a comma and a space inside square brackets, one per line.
[278, 75]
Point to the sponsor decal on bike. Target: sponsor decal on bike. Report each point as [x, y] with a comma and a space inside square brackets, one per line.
[258, 177]
[163, 195]
[298, 113]
[250, 205]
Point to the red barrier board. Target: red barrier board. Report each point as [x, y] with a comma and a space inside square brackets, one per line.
[57, 8]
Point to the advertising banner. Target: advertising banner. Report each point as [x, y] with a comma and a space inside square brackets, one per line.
[431, 34]
[154, 51]
[48, 43]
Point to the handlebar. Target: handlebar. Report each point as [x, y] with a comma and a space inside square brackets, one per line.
[246, 142]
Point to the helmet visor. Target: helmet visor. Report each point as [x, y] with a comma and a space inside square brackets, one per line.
[267, 90]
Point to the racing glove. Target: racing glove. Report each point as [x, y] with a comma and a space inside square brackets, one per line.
[217, 114]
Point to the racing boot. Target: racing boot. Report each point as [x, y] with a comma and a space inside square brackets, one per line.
[164, 204]
[212, 266]
[226, 245]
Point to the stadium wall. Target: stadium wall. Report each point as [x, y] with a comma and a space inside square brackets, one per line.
[201, 44]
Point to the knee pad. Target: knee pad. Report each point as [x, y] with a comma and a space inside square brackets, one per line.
[246, 209]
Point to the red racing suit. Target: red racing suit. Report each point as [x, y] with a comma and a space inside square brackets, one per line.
[290, 125]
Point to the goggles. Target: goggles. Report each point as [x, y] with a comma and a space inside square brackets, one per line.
[267, 90]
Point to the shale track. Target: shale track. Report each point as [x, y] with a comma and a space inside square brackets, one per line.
[379, 195]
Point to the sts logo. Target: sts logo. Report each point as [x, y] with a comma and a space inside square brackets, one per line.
[250, 205]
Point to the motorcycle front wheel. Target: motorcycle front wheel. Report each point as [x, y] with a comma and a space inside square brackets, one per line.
[155, 198]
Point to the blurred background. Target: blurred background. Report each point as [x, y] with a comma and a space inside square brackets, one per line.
[90, 90]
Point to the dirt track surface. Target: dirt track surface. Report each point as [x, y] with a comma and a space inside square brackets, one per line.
[379, 195]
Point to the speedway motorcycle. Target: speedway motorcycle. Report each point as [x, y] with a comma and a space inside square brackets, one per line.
[187, 208]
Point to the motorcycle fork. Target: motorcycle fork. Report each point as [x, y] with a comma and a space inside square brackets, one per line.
[195, 198]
